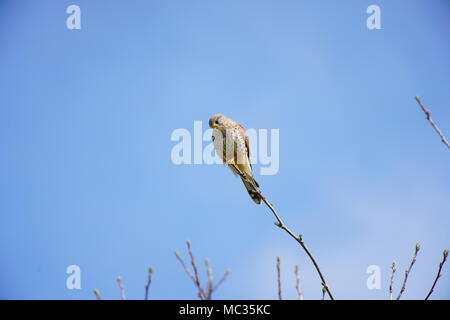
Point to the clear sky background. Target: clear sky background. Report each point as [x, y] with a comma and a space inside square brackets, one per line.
[86, 117]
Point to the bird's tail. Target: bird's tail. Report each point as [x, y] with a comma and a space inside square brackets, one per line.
[253, 194]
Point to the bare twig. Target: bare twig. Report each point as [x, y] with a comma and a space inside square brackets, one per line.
[441, 264]
[185, 267]
[430, 120]
[224, 277]
[122, 288]
[202, 294]
[297, 283]
[191, 275]
[279, 278]
[149, 282]
[281, 225]
[209, 286]
[416, 251]
[194, 267]
[391, 285]
[97, 294]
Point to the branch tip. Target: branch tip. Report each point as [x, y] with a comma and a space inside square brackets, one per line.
[97, 294]
[417, 247]
[441, 264]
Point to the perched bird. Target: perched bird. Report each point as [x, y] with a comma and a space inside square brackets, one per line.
[232, 145]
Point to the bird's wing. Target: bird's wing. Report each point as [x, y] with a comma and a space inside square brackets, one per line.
[246, 167]
[247, 143]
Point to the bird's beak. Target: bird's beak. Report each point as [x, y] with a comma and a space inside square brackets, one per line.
[211, 123]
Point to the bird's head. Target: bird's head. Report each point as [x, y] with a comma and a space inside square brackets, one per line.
[217, 121]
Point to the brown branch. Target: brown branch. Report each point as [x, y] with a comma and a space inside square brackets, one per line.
[122, 288]
[149, 281]
[281, 225]
[430, 120]
[297, 283]
[416, 251]
[202, 294]
[441, 264]
[183, 264]
[194, 267]
[191, 275]
[279, 278]
[391, 285]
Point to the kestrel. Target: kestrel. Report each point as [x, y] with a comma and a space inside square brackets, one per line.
[232, 145]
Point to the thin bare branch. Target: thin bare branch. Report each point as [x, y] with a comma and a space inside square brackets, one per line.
[279, 278]
[224, 277]
[441, 264]
[297, 283]
[149, 282]
[122, 288]
[193, 276]
[281, 225]
[209, 286]
[185, 267]
[391, 285]
[202, 293]
[416, 251]
[430, 120]
[194, 267]
[97, 294]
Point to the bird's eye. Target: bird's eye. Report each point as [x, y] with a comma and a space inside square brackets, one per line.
[217, 121]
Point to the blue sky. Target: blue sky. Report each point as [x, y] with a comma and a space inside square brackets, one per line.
[86, 118]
